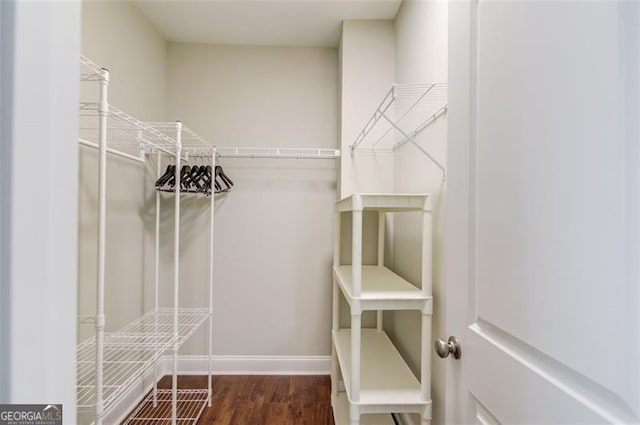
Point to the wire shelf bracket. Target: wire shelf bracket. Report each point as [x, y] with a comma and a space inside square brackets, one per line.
[405, 111]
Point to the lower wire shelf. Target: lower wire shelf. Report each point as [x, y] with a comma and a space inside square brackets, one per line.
[190, 405]
[130, 352]
[126, 359]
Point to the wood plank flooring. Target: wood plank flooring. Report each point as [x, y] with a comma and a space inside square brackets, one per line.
[263, 400]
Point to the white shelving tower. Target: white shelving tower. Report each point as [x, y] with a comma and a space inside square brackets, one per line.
[111, 363]
[376, 378]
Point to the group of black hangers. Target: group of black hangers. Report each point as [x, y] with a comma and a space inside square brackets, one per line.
[195, 179]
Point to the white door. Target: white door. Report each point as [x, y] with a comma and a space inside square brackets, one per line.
[543, 216]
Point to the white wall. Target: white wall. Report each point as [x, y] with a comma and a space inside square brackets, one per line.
[421, 56]
[367, 73]
[135, 55]
[116, 35]
[39, 48]
[274, 230]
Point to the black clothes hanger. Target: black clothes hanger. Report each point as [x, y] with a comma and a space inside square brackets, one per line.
[219, 172]
[188, 181]
[166, 176]
[200, 180]
[184, 172]
[205, 179]
[167, 180]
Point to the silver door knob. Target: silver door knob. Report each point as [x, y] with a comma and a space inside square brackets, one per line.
[444, 348]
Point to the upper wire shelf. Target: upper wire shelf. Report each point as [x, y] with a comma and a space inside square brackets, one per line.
[405, 112]
[132, 138]
[125, 133]
[89, 71]
[128, 136]
[190, 141]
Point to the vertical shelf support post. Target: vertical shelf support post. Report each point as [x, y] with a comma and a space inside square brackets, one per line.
[382, 217]
[103, 113]
[212, 210]
[356, 324]
[356, 261]
[356, 313]
[427, 271]
[425, 373]
[427, 247]
[156, 272]
[335, 315]
[176, 274]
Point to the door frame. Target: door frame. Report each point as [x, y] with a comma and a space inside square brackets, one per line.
[39, 93]
[458, 228]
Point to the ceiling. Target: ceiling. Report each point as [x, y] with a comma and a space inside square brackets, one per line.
[261, 22]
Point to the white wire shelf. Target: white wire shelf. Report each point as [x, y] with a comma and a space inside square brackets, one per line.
[125, 134]
[190, 141]
[131, 351]
[285, 153]
[126, 359]
[161, 321]
[89, 71]
[190, 405]
[406, 111]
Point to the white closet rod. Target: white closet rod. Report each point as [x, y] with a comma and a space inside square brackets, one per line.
[276, 153]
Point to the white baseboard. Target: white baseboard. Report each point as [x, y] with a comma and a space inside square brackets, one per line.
[222, 365]
[250, 365]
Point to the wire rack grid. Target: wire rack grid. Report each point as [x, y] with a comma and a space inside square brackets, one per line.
[125, 133]
[89, 71]
[190, 404]
[126, 359]
[190, 141]
[405, 111]
[160, 321]
[131, 351]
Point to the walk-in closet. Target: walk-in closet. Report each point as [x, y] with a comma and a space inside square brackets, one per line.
[211, 239]
[335, 212]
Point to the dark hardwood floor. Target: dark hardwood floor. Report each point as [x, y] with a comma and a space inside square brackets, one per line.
[263, 400]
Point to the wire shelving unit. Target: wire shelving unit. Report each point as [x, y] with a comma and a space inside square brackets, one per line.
[109, 364]
[406, 111]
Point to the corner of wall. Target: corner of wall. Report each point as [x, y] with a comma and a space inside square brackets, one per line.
[367, 73]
